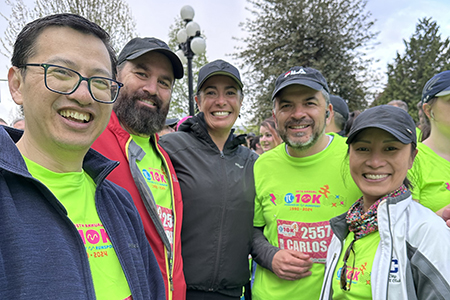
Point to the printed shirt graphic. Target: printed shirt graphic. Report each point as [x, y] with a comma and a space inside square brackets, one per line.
[295, 199]
[360, 275]
[76, 191]
[152, 168]
[432, 184]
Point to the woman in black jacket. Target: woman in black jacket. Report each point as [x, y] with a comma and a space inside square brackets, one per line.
[216, 180]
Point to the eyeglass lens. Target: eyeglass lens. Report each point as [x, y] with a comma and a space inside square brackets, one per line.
[67, 81]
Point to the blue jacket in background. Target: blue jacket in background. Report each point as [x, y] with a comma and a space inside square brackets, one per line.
[42, 255]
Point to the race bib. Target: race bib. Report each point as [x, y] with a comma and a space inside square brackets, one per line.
[166, 216]
[309, 238]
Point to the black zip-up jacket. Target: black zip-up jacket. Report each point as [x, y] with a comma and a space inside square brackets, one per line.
[218, 198]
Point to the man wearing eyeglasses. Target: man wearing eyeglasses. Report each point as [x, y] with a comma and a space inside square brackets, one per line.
[297, 198]
[66, 232]
[148, 69]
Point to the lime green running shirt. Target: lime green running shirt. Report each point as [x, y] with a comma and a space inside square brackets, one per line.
[152, 169]
[359, 268]
[76, 191]
[295, 199]
[430, 176]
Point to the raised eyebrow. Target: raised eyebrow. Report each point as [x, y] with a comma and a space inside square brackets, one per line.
[72, 65]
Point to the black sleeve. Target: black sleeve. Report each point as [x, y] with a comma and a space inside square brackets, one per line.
[262, 251]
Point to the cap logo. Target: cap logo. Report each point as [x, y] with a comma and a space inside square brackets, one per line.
[409, 130]
[293, 72]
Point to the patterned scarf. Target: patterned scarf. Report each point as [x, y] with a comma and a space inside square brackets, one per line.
[362, 223]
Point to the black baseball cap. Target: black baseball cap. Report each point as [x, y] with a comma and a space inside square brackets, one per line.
[340, 106]
[437, 86]
[140, 46]
[390, 118]
[218, 67]
[303, 76]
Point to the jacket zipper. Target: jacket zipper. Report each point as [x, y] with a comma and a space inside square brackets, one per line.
[211, 289]
[328, 273]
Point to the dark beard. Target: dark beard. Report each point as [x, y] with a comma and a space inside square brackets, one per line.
[140, 119]
[301, 146]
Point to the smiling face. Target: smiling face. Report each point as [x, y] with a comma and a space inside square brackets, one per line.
[56, 122]
[220, 102]
[266, 140]
[300, 113]
[144, 100]
[379, 163]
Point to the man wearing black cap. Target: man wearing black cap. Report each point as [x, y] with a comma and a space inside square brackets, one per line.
[299, 188]
[148, 68]
[339, 115]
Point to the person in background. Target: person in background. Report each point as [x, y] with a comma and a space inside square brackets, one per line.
[216, 178]
[256, 146]
[403, 105]
[351, 117]
[298, 190]
[148, 69]
[339, 116]
[386, 245]
[269, 135]
[66, 231]
[430, 172]
[399, 103]
[3, 122]
[249, 138]
[19, 123]
[169, 126]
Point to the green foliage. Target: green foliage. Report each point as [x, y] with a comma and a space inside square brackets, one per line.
[328, 35]
[426, 54]
[179, 106]
[113, 16]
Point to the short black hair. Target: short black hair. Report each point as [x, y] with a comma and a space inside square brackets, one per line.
[24, 46]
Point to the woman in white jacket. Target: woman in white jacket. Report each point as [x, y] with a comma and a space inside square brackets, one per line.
[387, 246]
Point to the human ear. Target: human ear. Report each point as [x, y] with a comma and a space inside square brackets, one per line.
[427, 111]
[15, 82]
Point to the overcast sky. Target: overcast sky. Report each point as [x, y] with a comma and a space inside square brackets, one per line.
[219, 21]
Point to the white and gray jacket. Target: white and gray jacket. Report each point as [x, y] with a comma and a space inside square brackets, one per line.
[412, 260]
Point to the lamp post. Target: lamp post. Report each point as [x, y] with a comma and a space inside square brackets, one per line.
[190, 43]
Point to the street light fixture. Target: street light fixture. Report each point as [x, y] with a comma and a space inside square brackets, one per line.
[190, 44]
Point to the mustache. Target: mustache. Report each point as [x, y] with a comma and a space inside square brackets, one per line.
[297, 122]
[142, 95]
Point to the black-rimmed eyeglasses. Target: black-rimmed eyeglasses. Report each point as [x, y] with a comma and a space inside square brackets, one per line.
[65, 81]
[344, 268]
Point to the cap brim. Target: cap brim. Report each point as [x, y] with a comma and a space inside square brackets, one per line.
[445, 92]
[199, 85]
[309, 83]
[178, 70]
[397, 134]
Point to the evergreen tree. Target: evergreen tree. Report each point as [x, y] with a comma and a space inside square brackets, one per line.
[328, 35]
[179, 106]
[113, 16]
[426, 54]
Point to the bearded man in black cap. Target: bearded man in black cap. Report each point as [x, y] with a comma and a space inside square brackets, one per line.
[299, 187]
[148, 69]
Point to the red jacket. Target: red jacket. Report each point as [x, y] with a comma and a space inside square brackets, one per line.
[113, 143]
